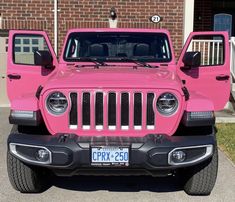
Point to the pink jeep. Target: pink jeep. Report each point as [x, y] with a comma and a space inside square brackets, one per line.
[116, 102]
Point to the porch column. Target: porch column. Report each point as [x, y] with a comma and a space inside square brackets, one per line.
[188, 17]
[55, 26]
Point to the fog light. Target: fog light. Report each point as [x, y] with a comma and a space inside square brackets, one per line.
[42, 155]
[178, 156]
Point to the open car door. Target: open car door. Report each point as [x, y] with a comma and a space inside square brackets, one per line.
[24, 73]
[204, 66]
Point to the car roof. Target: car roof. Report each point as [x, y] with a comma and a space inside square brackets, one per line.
[136, 30]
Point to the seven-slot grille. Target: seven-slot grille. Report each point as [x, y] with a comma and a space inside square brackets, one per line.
[112, 110]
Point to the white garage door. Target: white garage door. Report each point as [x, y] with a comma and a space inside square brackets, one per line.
[4, 102]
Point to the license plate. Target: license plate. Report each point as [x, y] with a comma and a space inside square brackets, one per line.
[109, 156]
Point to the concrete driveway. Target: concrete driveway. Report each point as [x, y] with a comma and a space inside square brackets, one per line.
[113, 188]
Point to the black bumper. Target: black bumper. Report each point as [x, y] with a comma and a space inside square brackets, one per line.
[71, 153]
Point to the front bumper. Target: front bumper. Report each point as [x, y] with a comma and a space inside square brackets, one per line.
[71, 154]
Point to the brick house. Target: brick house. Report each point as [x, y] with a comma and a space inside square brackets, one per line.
[180, 17]
[38, 14]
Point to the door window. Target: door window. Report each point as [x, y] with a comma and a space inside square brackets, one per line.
[211, 49]
[25, 46]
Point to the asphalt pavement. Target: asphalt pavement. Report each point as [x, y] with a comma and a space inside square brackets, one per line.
[141, 188]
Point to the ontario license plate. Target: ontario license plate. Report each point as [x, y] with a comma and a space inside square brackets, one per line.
[109, 156]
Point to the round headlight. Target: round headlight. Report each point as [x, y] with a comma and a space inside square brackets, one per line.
[57, 103]
[167, 104]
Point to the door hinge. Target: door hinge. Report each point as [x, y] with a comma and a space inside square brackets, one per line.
[186, 93]
[39, 90]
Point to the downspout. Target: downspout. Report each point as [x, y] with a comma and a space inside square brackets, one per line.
[0, 21]
[55, 26]
[188, 18]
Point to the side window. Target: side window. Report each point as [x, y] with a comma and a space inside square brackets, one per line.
[211, 49]
[25, 46]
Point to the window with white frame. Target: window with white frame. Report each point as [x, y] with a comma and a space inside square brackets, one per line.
[25, 46]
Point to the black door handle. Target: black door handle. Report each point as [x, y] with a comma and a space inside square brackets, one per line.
[222, 77]
[13, 76]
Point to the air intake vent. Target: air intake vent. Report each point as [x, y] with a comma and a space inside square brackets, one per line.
[86, 110]
[112, 109]
[99, 102]
[150, 112]
[73, 118]
[137, 109]
[124, 110]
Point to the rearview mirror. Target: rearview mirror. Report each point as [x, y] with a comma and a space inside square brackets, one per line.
[192, 59]
[43, 58]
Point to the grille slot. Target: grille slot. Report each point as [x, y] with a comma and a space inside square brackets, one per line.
[124, 110]
[86, 109]
[112, 109]
[137, 109]
[73, 116]
[99, 102]
[150, 111]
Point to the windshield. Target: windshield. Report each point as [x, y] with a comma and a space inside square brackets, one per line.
[107, 46]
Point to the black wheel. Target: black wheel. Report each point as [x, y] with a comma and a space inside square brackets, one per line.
[24, 178]
[201, 179]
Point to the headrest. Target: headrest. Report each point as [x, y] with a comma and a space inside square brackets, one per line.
[98, 50]
[141, 49]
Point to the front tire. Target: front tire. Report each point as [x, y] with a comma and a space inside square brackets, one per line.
[201, 178]
[24, 178]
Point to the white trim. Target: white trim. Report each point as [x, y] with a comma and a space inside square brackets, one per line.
[137, 127]
[73, 127]
[232, 57]
[86, 127]
[150, 127]
[124, 127]
[0, 21]
[99, 127]
[188, 18]
[55, 25]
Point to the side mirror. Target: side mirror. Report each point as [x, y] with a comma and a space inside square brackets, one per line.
[192, 59]
[43, 58]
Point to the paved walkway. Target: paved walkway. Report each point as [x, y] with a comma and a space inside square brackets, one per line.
[113, 188]
[225, 116]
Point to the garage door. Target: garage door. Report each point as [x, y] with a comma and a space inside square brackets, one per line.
[4, 102]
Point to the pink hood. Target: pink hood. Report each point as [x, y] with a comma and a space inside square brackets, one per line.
[114, 77]
[158, 80]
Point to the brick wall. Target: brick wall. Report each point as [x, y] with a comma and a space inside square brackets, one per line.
[37, 14]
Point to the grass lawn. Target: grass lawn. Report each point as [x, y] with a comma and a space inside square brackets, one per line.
[226, 139]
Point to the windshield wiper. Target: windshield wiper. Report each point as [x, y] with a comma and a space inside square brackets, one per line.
[138, 62]
[96, 62]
